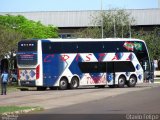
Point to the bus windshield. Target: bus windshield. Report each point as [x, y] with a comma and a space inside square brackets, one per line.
[27, 52]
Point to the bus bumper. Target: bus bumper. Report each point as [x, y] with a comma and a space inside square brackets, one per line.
[28, 83]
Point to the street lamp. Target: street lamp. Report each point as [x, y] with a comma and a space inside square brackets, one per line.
[102, 18]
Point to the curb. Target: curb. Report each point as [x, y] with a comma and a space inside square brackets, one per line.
[22, 111]
[157, 82]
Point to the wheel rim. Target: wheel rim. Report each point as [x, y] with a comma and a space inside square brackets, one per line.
[132, 80]
[74, 83]
[63, 83]
[121, 81]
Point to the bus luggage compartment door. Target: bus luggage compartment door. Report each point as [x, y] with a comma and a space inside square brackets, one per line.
[110, 79]
[110, 73]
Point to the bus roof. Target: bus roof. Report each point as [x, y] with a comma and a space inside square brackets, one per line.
[85, 39]
[91, 39]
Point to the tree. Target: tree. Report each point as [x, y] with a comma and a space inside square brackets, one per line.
[8, 47]
[15, 28]
[29, 29]
[116, 23]
[152, 39]
[91, 32]
[9, 39]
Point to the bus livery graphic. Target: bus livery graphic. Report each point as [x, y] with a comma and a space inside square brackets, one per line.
[76, 62]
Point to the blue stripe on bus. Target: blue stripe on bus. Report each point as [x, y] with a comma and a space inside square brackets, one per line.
[52, 68]
[74, 67]
[100, 56]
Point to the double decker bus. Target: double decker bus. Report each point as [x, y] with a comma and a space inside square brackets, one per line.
[70, 63]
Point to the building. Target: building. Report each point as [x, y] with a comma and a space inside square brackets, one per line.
[70, 21]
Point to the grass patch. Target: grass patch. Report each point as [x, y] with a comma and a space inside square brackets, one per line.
[12, 88]
[10, 109]
[15, 88]
[158, 80]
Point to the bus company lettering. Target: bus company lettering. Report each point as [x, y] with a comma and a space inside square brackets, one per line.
[101, 79]
[65, 57]
[48, 58]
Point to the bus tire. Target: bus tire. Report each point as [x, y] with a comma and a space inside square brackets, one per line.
[132, 81]
[74, 83]
[121, 81]
[63, 84]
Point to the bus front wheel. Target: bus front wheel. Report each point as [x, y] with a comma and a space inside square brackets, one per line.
[74, 83]
[63, 84]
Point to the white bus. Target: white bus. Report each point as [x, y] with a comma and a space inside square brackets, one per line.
[70, 63]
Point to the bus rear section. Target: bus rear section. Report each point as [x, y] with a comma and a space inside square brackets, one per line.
[28, 76]
[29, 68]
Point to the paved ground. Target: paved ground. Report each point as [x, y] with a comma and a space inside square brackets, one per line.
[55, 98]
[144, 101]
[140, 103]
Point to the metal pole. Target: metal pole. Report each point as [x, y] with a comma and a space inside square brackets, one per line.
[122, 27]
[101, 18]
[122, 31]
[114, 27]
[130, 33]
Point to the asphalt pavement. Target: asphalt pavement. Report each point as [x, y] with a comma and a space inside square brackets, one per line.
[145, 101]
[139, 102]
[133, 105]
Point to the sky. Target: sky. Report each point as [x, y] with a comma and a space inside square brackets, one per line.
[70, 5]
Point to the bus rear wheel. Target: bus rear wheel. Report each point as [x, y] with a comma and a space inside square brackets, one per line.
[63, 84]
[121, 82]
[132, 81]
[74, 83]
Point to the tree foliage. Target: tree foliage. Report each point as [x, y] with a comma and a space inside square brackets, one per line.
[152, 39]
[15, 28]
[8, 39]
[116, 23]
[91, 32]
[29, 29]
